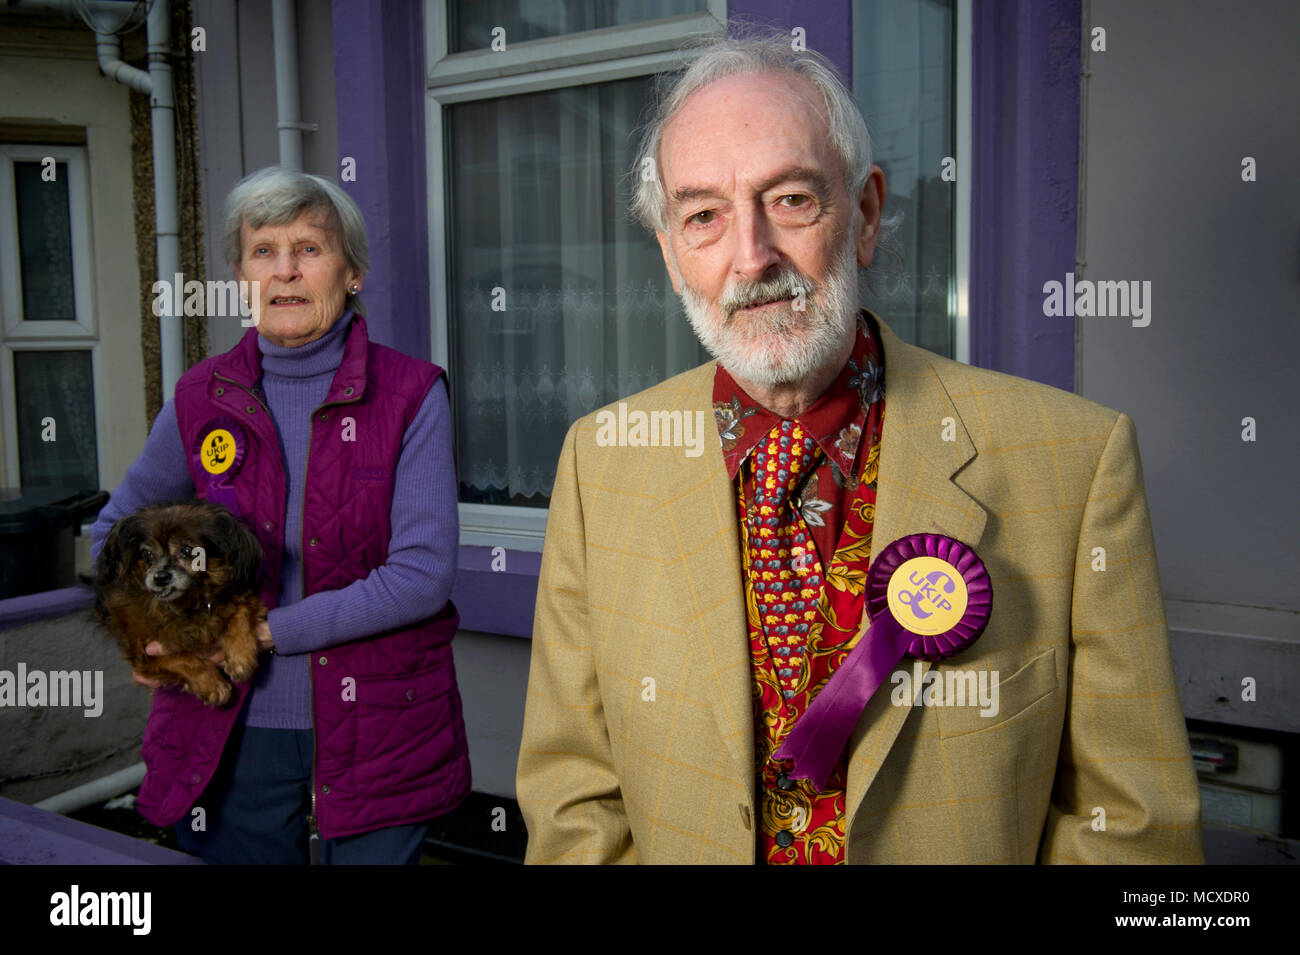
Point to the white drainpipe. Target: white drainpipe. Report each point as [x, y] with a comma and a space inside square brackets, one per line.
[158, 84]
[284, 32]
[96, 791]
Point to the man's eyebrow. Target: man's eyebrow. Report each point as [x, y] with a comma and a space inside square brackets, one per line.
[808, 174]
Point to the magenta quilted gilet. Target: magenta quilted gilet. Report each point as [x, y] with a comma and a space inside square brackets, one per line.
[390, 738]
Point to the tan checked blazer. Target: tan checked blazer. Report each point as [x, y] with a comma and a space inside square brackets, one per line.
[1087, 758]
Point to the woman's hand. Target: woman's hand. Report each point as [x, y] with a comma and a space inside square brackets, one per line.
[263, 633]
[155, 649]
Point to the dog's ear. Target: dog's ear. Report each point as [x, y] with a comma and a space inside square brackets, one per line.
[116, 555]
[240, 547]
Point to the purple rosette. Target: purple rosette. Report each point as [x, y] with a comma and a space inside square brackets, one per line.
[933, 628]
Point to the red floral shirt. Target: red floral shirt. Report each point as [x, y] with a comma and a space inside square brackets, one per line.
[797, 823]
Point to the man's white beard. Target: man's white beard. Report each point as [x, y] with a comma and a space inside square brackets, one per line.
[789, 345]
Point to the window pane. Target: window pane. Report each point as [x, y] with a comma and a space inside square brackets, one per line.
[903, 81]
[471, 22]
[559, 301]
[57, 385]
[44, 242]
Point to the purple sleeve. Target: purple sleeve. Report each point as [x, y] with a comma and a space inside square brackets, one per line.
[416, 579]
[160, 473]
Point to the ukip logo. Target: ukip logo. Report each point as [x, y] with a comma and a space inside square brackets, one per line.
[926, 596]
[218, 451]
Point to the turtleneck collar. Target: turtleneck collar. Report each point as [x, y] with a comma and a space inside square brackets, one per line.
[323, 355]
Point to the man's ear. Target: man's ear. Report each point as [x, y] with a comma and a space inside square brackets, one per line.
[870, 202]
[668, 261]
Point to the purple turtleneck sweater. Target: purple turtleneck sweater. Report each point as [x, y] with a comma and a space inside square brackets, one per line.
[413, 583]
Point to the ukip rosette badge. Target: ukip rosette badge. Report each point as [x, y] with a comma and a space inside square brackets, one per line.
[219, 450]
[928, 596]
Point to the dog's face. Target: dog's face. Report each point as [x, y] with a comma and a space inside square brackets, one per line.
[180, 554]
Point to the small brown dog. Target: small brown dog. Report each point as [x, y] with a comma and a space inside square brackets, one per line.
[184, 574]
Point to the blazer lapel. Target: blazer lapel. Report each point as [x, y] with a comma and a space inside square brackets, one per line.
[924, 444]
[697, 494]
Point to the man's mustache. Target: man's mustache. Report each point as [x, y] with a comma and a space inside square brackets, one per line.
[787, 283]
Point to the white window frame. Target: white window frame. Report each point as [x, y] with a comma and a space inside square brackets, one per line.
[574, 59]
[17, 334]
[11, 294]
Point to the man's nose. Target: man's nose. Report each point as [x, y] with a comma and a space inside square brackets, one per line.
[755, 250]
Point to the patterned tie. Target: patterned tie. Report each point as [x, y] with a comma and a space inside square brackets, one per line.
[783, 560]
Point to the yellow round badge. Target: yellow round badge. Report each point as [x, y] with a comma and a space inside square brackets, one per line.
[218, 451]
[927, 595]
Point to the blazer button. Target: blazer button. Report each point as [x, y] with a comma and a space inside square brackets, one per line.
[785, 782]
[325, 790]
[220, 392]
[784, 839]
[324, 660]
[348, 390]
[324, 415]
[410, 694]
[267, 525]
[250, 409]
[312, 542]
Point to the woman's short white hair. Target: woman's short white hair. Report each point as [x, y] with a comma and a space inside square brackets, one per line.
[755, 50]
[275, 196]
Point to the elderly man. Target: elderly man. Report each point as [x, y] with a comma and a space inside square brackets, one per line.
[691, 608]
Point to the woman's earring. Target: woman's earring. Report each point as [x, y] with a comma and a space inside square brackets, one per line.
[353, 289]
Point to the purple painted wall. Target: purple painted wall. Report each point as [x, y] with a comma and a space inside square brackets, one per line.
[1024, 197]
[827, 24]
[379, 92]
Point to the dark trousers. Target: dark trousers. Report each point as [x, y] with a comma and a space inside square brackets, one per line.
[256, 808]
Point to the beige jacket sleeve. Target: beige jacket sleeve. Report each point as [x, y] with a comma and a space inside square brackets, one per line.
[566, 783]
[1125, 789]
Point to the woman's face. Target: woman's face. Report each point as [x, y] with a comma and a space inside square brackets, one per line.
[301, 274]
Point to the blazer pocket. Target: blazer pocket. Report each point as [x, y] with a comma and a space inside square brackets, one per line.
[1015, 694]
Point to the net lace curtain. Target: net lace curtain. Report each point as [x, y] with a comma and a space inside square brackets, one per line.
[564, 300]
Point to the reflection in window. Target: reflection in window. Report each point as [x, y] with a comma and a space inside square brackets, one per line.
[559, 299]
[55, 398]
[903, 82]
[44, 242]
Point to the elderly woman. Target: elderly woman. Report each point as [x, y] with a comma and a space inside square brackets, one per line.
[349, 737]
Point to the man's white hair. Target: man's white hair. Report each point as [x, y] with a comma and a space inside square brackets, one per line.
[756, 51]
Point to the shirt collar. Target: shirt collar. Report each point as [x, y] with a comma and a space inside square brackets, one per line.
[835, 420]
